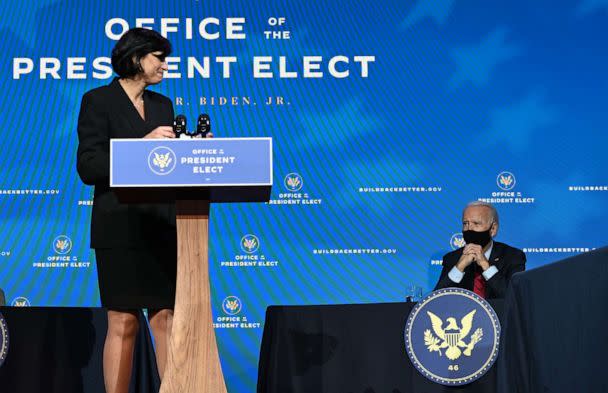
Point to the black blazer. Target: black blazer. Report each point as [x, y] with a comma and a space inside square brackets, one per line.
[107, 112]
[508, 260]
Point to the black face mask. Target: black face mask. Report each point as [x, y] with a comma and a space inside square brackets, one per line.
[480, 238]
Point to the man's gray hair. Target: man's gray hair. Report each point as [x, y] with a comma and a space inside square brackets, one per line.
[493, 212]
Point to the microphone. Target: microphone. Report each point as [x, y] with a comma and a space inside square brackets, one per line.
[179, 126]
[203, 125]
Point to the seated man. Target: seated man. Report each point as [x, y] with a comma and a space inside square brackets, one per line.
[482, 265]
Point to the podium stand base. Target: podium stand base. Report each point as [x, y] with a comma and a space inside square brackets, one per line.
[193, 363]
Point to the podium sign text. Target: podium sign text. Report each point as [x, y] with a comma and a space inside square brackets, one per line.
[191, 162]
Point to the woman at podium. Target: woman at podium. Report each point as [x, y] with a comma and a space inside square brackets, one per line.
[135, 244]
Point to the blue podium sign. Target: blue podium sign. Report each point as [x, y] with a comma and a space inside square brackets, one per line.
[452, 336]
[220, 162]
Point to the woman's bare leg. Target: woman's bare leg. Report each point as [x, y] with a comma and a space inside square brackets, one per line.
[118, 350]
[161, 322]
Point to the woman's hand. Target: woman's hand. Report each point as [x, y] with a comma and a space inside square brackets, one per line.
[161, 132]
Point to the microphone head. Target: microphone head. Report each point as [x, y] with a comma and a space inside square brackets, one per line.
[179, 125]
[203, 125]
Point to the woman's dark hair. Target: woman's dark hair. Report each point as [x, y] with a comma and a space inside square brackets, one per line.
[132, 46]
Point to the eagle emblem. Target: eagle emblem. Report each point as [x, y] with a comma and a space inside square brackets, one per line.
[62, 244]
[452, 337]
[506, 181]
[293, 182]
[232, 305]
[162, 160]
[249, 243]
[458, 241]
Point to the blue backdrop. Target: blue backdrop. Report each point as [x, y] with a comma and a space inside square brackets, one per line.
[445, 102]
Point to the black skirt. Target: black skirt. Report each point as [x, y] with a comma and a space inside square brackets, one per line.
[133, 278]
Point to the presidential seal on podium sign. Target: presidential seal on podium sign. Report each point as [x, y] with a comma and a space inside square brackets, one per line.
[452, 336]
[3, 339]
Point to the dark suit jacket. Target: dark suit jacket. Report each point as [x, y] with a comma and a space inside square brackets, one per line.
[2, 299]
[107, 112]
[508, 260]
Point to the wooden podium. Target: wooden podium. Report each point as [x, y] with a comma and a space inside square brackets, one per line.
[193, 173]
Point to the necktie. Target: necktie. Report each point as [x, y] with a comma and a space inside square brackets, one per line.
[479, 284]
